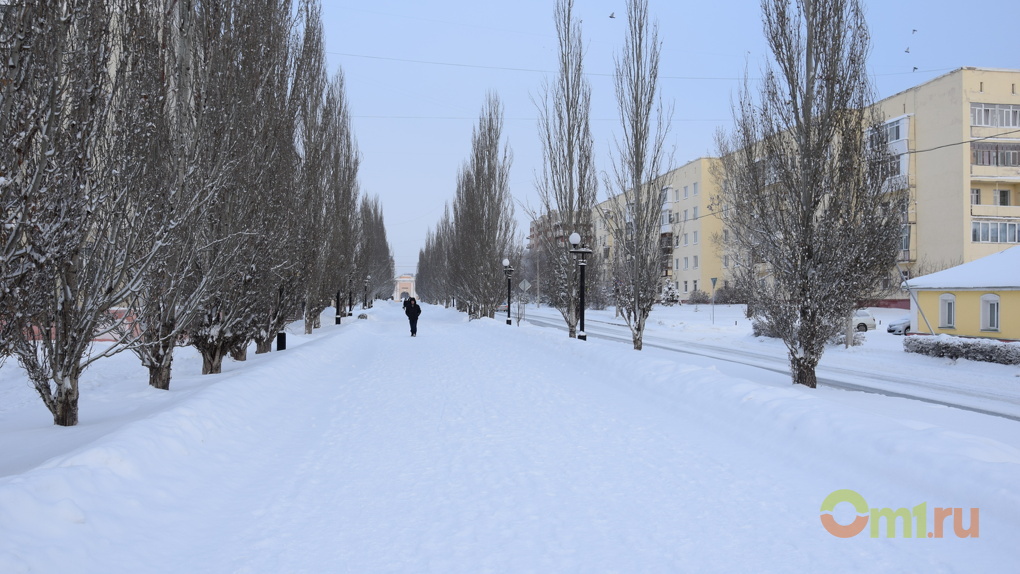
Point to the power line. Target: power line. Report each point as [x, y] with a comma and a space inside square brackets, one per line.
[598, 74]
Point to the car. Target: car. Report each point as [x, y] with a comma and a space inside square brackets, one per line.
[863, 320]
[899, 326]
[501, 308]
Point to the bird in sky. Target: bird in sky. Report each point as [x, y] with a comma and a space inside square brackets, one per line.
[907, 50]
[612, 15]
[914, 31]
[915, 68]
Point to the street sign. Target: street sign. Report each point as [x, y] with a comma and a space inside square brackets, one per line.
[524, 285]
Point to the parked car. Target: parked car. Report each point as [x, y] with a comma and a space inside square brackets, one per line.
[501, 308]
[899, 326]
[863, 320]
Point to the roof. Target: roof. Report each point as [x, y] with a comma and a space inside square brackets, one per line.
[997, 271]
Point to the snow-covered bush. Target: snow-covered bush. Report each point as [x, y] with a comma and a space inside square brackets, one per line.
[670, 295]
[729, 296]
[698, 297]
[987, 350]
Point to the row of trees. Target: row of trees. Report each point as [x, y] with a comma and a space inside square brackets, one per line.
[460, 263]
[813, 226]
[171, 172]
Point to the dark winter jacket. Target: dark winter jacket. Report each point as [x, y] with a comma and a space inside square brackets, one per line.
[412, 311]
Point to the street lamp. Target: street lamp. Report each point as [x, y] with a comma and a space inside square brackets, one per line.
[509, 272]
[364, 304]
[581, 252]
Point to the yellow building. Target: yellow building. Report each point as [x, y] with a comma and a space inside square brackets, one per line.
[689, 229]
[959, 140]
[976, 299]
[694, 228]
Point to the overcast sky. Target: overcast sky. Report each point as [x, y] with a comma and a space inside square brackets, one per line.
[418, 72]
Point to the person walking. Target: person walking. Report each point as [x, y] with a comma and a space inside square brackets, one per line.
[412, 311]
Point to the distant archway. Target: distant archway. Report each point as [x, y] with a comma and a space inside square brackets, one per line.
[404, 295]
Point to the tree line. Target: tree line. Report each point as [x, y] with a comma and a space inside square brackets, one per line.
[172, 172]
[813, 224]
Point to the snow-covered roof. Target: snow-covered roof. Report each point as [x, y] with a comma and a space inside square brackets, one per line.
[997, 271]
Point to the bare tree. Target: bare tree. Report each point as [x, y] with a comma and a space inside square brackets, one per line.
[812, 224]
[568, 185]
[245, 65]
[634, 215]
[483, 220]
[90, 234]
[433, 283]
[157, 93]
[374, 252]
[344, 224]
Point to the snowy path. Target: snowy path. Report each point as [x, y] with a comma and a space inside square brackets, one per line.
[479, 447]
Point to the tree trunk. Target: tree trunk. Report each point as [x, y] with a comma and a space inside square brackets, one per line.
[159, 376]
[804, 371]
[65, 405]
[212, 361]
[264, 345]
[239, 353]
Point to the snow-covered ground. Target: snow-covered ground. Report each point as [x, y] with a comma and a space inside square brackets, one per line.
[480, 447]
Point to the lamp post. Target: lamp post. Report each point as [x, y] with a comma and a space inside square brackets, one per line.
[509, 272]
[581, 252]
[364, 304]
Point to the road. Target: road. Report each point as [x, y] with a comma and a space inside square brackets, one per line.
[998, 402]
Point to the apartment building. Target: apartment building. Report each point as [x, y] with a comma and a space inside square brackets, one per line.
[958, 137]
[688, 229]
[693, 228]
[957, 143]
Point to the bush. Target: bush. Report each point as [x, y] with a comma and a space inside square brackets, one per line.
[698, 297]
[987, 350]
[729, 296]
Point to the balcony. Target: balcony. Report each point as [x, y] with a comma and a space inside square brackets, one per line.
[1006, 211]
[994, 173]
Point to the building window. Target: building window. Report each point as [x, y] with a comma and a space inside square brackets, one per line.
[995, 154]
[695, 193]
[695, 261]
[725, 283]
[695, 237]
[686, 261]
[677, 243]
[685, 286]
[989, 312]
[695, 284]
[676, 195]
[726, 261]
[994, 232]
[1001, 196]
[947, 311]
[995, 115]
[695, 212]
[676, 263]
[685, 197]
[685, 215]
[685, 239]
[975, 196]
[726, 235]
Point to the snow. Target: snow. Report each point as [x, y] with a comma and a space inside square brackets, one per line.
[996, 271]
[480, 447]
